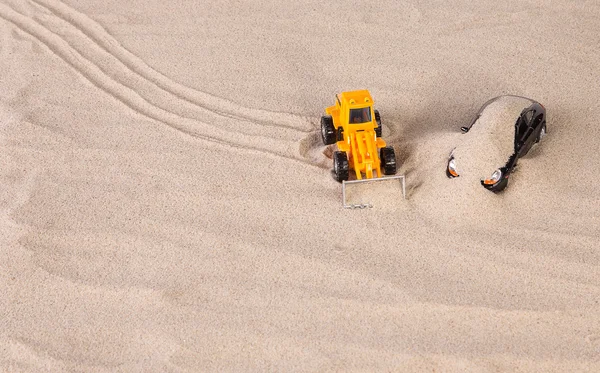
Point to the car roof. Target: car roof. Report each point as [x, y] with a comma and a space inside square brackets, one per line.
[492, 100]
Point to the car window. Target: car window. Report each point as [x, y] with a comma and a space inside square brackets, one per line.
[537, 120]
[522, 124]
[527, 116]
[360, 115]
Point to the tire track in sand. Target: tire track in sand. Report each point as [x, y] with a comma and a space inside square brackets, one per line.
[96, 34]
[127, 86]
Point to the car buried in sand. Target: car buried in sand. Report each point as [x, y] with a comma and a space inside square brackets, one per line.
[529, 129]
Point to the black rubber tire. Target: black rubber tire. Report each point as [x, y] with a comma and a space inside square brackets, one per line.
[387, 156]
[340, 166]
[327, 130]
[501, 186]
[378, 121]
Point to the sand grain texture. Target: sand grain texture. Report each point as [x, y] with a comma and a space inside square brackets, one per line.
[166, 204]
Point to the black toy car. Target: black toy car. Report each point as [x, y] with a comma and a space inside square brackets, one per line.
[529, 129]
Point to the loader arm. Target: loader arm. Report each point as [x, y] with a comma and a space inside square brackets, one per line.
[365, 156]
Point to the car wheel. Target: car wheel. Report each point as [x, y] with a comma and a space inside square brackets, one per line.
[541, 134]
[378, 121]
[340, 166]
[327, 130]
[387, 157]
[501, 186]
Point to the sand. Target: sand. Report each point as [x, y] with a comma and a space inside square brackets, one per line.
[167, 206]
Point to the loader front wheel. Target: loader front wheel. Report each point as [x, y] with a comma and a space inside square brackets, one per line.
[378, 121]
[327, 130]
[340, 166]
[388, 160]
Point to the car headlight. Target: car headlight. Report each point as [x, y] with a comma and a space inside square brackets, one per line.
[496, 176]
[452, 168]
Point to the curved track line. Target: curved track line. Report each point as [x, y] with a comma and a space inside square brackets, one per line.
[115, 69]
[137, 103]
[220, 106]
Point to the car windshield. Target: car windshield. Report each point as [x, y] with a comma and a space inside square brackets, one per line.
[360, 115]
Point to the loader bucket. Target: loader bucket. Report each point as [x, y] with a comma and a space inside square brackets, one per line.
[348, 196]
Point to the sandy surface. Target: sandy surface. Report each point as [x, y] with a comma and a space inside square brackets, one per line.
[166, 204]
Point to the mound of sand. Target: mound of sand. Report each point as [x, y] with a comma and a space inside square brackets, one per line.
[490, 141]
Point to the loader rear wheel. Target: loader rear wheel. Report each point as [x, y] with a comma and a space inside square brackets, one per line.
[327, 130]
[378, 121]
[388, 160]
[340, 166]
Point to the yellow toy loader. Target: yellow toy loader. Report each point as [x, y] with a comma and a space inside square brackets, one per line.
[356, 129]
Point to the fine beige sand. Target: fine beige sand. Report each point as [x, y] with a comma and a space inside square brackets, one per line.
[166, 204]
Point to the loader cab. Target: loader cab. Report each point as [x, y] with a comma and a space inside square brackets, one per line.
[356, 108]
[360, 115]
